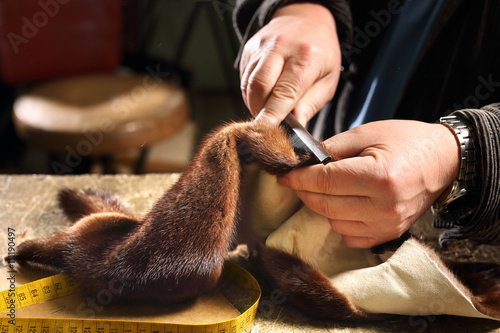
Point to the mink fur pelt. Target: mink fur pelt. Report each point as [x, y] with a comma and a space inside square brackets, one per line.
[176, 251]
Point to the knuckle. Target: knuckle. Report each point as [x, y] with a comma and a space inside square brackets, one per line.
[261, 44]
[349, 241]
[313, 104]
[257, 84]
[397, 211]
[306, 52]
[286, 90]
[400, 211]
[244, 63]
[395, 223]
[334, 225]
[391, 213]
[386, 177]
[388, 180]
[295, 181]
[326, 209]
[275, 43]
[331, 88]
[243, 88]
[324, 181]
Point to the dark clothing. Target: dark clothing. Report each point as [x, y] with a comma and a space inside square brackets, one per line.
[483, 224]
[457, 67]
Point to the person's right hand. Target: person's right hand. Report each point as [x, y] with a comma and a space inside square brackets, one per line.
[389, 174]
[292, 63]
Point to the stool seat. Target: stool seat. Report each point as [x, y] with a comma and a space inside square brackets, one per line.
[100, 114]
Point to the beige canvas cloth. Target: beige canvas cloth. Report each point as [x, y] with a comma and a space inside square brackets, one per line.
[411, 281]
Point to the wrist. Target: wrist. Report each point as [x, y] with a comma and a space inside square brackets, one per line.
[465, 179]
[449, 157]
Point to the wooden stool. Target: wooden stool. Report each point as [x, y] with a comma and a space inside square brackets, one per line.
[95, 116]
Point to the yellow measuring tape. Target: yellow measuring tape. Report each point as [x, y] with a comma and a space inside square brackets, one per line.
[61, 285]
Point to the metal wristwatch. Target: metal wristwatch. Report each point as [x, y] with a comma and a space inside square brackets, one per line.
[466, 179]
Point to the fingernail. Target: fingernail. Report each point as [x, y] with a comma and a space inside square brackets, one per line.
[259, 117]
[264, 117]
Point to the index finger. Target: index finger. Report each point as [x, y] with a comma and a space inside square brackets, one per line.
[351, 176]
[296, 78]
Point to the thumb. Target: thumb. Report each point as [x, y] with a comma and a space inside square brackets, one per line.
[349, 144]
[269, 116]
[277, 107]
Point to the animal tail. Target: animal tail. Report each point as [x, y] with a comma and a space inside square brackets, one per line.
[194, 222]
[177, 251]
[308, 289]
[77, 204]
[269, 147]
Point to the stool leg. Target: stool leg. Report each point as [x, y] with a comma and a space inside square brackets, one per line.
[141, 161]
[67, 165]
[108, 164]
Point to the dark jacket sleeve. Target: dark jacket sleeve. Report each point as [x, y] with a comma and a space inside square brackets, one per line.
[483, 224]
[249, 16]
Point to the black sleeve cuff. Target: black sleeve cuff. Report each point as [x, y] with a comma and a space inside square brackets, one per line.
[477, 216]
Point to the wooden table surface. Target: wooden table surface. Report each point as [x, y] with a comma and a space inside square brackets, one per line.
[27, 203]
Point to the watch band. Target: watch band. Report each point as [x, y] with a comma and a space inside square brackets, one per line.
[467, 174]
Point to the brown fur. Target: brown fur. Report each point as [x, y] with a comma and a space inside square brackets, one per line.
[177, 250]
[480, 282]
[483, 282]
[309, 289]
[78, 204]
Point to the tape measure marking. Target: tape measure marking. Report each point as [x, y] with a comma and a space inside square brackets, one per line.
[61, 285]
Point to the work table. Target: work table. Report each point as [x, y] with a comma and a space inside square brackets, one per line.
[28, 205]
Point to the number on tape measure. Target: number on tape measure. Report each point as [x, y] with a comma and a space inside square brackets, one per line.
[38, 291]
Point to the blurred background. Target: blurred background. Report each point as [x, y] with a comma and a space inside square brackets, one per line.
[113, 86]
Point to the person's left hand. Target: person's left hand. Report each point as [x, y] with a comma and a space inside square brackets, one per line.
[389, 175]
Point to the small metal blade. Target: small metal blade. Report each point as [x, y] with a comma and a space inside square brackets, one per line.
[301, 138]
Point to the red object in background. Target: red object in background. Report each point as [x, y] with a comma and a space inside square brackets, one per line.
[44, 39]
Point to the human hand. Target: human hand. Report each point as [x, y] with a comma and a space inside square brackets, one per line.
[292, 63]
[389, 174]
